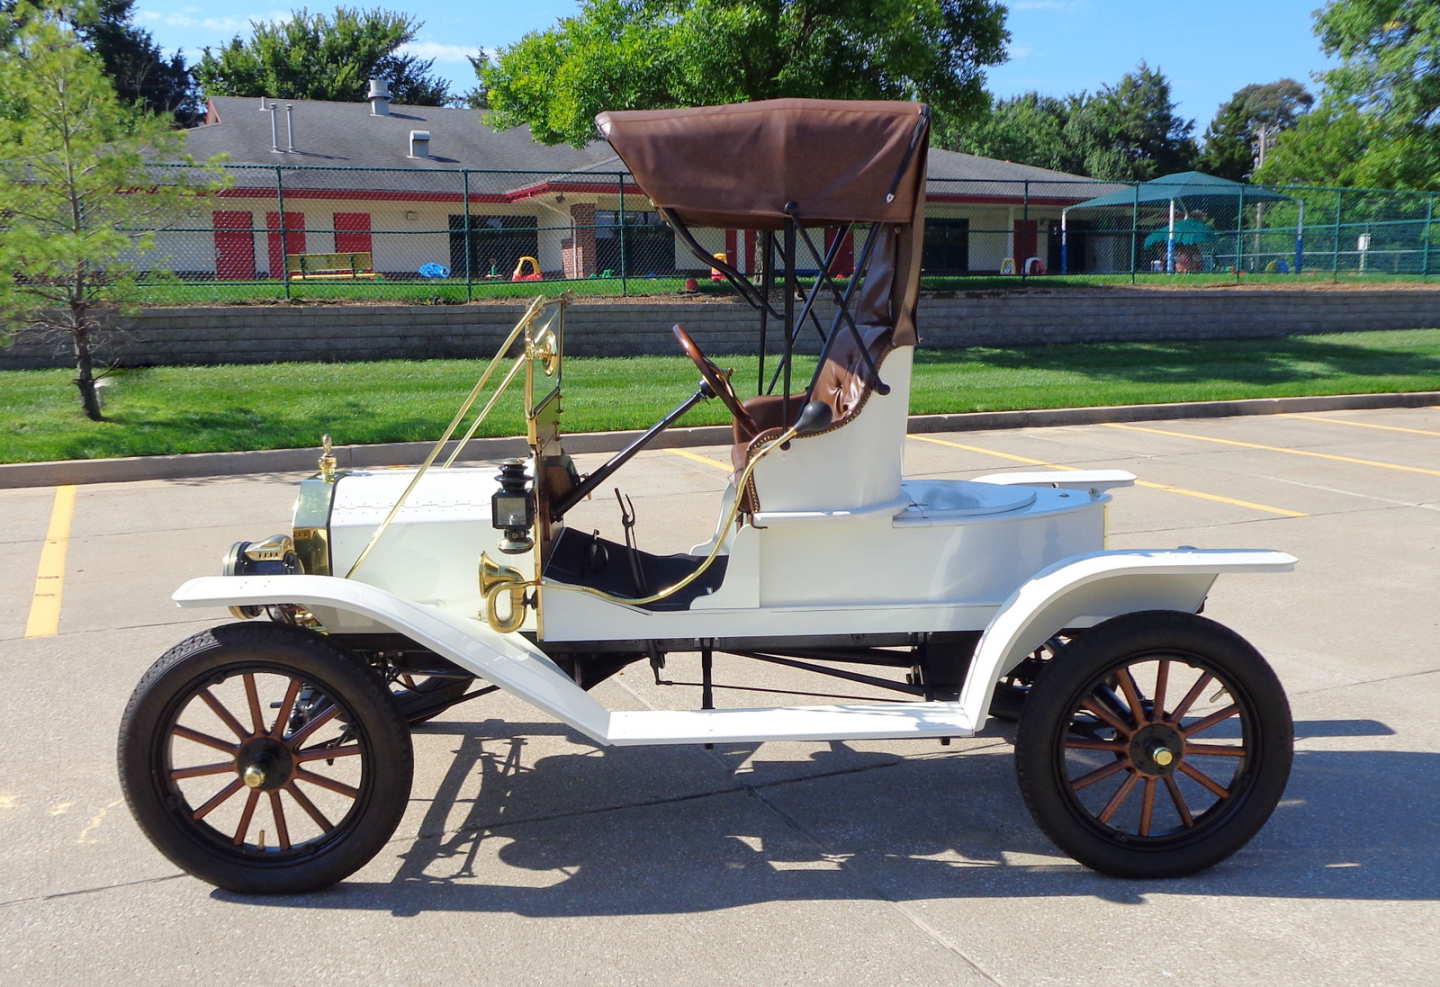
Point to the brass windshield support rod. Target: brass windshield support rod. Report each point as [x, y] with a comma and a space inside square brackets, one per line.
[530, 313]
[593, 480]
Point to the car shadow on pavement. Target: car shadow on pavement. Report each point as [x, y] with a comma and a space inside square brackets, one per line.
[858, 825]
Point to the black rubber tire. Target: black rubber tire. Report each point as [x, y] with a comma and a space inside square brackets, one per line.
[145, 726]
[1219, 832]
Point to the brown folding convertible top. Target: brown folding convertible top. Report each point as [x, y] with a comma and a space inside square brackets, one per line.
[738, 165]
[785, 165]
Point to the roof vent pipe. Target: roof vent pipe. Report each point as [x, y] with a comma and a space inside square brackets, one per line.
[379, 97]
[419, 143]
[289, 128]
[274, 130]
[263, 107]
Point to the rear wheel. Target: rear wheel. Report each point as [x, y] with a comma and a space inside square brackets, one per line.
[243, 784]
[1156, 745]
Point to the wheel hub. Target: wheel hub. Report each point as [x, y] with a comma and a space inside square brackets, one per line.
[1156, 749]
[264, 763]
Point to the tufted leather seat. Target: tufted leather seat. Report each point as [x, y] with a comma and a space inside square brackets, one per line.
[843, 383]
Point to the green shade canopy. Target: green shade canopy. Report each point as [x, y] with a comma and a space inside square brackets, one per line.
[1195, 189]
[1188, 232]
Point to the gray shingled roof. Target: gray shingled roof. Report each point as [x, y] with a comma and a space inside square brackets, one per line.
[346, 135]
[976, 171]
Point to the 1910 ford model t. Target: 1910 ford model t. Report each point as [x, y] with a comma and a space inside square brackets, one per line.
[275, 756]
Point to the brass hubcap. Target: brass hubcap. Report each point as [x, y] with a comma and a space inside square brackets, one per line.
[1162, 756]
[253, 776]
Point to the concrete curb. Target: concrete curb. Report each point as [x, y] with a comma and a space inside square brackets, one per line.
[66, 471]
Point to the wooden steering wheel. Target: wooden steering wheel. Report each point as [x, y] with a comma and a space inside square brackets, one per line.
[716, 379]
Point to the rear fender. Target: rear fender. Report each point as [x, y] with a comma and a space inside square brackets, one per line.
[1083, 590]
[510, 661]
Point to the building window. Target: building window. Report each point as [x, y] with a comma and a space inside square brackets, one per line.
[647, 248]
[496, 245]
[947, 246]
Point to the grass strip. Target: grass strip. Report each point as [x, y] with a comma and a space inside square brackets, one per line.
[163, 410]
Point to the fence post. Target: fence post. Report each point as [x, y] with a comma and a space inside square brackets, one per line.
[469, 251]
[1134, 228]
[1240, 233]
[1425, 237]
[1335, 253]
[624, 274]
[284, 239]
[1025, 218]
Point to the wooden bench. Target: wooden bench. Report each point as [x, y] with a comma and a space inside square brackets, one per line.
[329, 267]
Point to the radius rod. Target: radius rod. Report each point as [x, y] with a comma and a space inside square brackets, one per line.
[593, 480]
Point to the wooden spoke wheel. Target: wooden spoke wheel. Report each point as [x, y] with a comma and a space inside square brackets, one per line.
[1155, 745]
[262, 759]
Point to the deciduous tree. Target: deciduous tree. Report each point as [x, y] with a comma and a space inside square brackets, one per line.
[645, 54]
[1378, 122]
[77, 187]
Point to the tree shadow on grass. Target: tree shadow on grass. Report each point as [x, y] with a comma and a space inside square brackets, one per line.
[1293, 359]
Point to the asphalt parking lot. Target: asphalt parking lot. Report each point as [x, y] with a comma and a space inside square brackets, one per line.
[529, 856]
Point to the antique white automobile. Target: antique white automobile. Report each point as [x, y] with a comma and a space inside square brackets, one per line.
[274, 755]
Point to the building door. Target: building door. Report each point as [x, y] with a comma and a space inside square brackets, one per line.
[294, 239]
[1025, 241]
[352, 233]
[234, 245]
[947, 246]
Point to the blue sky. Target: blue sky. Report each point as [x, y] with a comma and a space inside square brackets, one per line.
[1208, 50]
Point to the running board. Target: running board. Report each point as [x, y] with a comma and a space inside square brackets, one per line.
[868, 721]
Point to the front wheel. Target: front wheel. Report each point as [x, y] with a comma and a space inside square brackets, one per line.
[1155, 745]
[241, 782]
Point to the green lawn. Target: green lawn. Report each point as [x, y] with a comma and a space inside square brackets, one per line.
[205, 409]
[438, 292]
[450, 292]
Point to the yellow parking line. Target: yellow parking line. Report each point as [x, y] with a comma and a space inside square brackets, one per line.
[1293, 452]
[1346, 421]
[44, 620]
[701, 459]
[1167, 487]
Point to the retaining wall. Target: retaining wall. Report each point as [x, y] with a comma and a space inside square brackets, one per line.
[264, 334]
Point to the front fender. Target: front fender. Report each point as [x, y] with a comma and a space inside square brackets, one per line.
[510, 661]
[1086, 589]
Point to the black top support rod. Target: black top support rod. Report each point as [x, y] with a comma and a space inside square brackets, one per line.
[807, 309]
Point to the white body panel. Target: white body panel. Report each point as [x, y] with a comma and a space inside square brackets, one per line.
[858, 465]
[1082, 592]
[431, 552]
[941, 556]
[1075, 592]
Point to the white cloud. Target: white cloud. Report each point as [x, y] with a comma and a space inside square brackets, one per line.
[187, 19]
[439, 51]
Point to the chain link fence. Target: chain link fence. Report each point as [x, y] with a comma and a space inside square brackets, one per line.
[454, 235]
